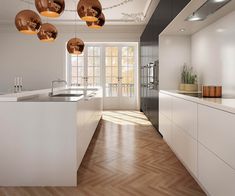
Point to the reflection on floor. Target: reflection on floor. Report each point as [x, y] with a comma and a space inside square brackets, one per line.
[126, 157]
[126, 118]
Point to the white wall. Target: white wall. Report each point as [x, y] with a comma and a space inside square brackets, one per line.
[174, 51]
[210, 51]
[213, 53]
[40, 63]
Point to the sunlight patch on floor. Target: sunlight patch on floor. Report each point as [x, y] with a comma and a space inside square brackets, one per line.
[126, 117]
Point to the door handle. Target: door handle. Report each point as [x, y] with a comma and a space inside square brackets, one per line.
[119, 78]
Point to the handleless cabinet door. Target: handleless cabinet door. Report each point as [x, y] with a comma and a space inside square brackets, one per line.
[165, 128]
[214, 174]
[184, 115]
[216, 131]
[185, 148]
[165, 105]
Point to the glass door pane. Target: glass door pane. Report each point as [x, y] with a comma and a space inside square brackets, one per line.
[94, 66]
[77, 70]
[111, 72]
[127, 71]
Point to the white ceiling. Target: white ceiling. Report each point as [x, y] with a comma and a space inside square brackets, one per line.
[9, 8]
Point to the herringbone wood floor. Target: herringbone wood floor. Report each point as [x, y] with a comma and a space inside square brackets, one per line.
[126, 157]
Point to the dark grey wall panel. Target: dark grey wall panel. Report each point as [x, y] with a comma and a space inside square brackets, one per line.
[165, 12]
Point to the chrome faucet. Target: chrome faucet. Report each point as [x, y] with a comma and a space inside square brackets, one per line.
[56, 81]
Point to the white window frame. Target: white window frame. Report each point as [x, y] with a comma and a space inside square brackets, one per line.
[103, 45]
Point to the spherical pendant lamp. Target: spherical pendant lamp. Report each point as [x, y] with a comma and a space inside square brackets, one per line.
[28, 22]
[89, 10]
[50, 8]
[75, 46]
[97, 24]
[47, 33]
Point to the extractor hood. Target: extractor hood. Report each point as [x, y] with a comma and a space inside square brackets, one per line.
[208, 8]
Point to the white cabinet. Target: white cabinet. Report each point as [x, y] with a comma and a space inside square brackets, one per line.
[89, 112]
[204, 140]
[165, 128]
[185, 147]
[216, 131]
[165, 116]
[178, 125]
[165, 105]
[216, 176]
[184, 114]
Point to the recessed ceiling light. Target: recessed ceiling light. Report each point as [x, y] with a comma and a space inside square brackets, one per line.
[182, 30]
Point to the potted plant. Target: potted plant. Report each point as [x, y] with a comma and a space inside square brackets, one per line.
[188, 79]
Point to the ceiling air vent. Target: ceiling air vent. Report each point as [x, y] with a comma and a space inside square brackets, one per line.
[208, 8]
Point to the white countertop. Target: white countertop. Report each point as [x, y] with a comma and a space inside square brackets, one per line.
[22, 95]
[27, 95]
[225, 104]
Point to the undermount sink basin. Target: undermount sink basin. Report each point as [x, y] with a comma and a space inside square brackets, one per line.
[66, 95]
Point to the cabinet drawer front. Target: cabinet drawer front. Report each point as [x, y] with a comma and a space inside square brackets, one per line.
[165, 128]
[216, 131]
[185, 147]
[185, 116]
[165, 105]
[215, 175]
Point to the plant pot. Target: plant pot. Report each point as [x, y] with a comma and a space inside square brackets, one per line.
[182, 87]
[190, 87]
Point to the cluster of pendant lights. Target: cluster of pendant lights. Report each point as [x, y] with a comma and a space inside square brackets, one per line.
[29, 22]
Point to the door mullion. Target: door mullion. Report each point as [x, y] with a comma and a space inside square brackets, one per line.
[103, 71]
[85, 66]
[119, 71]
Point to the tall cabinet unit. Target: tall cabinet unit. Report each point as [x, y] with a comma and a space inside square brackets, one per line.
[165, 12]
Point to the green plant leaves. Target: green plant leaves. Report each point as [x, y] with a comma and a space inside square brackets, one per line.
[188, 76]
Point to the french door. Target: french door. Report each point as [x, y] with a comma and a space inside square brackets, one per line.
[112, 66]
[85, 69]
[120, 76]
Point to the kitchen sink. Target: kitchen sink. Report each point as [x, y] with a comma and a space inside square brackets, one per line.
[66, 95]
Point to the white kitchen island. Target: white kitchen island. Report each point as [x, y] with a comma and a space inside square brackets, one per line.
[43, 139]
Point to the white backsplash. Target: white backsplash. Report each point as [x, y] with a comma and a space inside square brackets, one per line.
[213, 53]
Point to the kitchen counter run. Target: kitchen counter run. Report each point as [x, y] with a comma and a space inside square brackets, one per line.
[225, 104]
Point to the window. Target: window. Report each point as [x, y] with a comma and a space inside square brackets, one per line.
[112, 66]
[94, 68]
[77, 71]
[81, 75]
[128, 70]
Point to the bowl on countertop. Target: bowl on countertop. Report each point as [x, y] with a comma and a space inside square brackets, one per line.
[212, 91]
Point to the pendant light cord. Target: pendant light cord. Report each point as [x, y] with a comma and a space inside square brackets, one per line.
[75, 32]
[75, 20]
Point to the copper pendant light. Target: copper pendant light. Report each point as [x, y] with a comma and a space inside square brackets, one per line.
[97, 24]
[75, 46]
[28, 22]
[50, 8]
[89, 10]
[47, 33]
